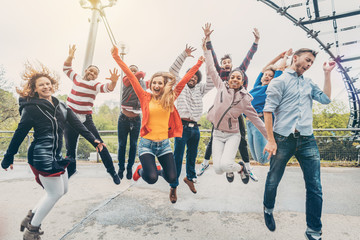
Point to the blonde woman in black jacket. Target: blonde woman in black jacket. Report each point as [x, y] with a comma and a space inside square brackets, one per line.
[47, 116]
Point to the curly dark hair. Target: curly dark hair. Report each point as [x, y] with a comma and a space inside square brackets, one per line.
[226, 56]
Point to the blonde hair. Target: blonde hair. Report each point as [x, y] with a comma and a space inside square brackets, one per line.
[31, 74]
[168, 97]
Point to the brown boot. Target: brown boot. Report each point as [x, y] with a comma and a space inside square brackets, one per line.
[173, 197]
[32, 233]
[26, 220]
[190, 184]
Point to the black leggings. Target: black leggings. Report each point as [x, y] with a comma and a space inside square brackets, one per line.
[149, 171]
[242, 146]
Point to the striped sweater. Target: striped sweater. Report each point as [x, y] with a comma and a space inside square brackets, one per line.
[189, 103]
[83, 93]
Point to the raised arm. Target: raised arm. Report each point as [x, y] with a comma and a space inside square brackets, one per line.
[71, 56]
[328, 67]
[180, 86]
[67, 68]
[177, 65]
[140, 92]
[207, 32]
[245, 63]
[139, 75]
[275, 60]
[282, 64]
[114, 77]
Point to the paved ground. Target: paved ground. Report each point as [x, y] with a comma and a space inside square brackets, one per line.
[95, 208]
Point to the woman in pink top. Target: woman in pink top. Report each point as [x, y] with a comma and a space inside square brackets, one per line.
[231, 101]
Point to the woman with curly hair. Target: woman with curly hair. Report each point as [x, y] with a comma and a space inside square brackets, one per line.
[160, 121]
[47, 116]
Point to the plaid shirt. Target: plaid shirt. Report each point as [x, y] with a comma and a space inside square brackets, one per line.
[224, 75]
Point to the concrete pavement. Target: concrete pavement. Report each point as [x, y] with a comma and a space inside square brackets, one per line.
[95, 208]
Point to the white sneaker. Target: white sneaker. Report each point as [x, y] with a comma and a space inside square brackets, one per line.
[202, 169]
[252, 175]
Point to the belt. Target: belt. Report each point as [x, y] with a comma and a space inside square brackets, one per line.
[190, 123]
[295, 134]
[129, 118]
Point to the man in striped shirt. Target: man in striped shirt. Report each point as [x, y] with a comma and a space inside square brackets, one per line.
[190, 106]
[81, 100]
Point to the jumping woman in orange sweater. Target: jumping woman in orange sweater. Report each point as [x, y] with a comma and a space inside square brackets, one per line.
[160, 121]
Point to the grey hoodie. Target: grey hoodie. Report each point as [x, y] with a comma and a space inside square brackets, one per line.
[229, 103]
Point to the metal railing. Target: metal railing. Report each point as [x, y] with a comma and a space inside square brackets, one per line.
[336, 144]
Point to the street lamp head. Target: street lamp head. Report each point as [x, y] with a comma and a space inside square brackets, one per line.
[112, 3]
[83, 3]
[123, 47]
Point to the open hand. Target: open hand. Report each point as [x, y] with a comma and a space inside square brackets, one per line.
[114, 76]
[189, 50]
[72, 49]
[256, 35]
[207, 30]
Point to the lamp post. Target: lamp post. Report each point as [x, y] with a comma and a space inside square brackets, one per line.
[97, 8]
[123, 52]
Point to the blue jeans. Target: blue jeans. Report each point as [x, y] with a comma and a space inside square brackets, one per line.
[257, 143]
[157, 149]
[127, 126]
[307, 153]
[190, 139]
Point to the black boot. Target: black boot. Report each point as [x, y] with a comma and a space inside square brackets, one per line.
[129, 173]
[115, 177]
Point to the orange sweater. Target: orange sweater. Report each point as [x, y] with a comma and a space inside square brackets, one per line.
[175, 124]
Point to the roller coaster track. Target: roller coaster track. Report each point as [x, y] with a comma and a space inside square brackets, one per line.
[312, 8]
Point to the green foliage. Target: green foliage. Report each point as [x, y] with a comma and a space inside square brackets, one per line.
[9, 113]
[62, 97]
[334, 115]
[9, 110]
[205, 124]
[84, 149]
[106, 118]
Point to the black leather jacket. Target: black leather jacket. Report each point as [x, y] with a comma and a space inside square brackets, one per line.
[48, 121]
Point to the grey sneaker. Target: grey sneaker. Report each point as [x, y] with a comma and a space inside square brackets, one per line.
[309, 236]
[244, 173]
[202, 169]
[252, 175]
[230, 176]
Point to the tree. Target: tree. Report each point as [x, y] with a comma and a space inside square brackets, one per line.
[334, 145]
[9, 112]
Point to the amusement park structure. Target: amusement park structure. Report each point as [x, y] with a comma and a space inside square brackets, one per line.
[335, 25]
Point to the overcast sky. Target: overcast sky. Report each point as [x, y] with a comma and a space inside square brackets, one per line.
[156, 32]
